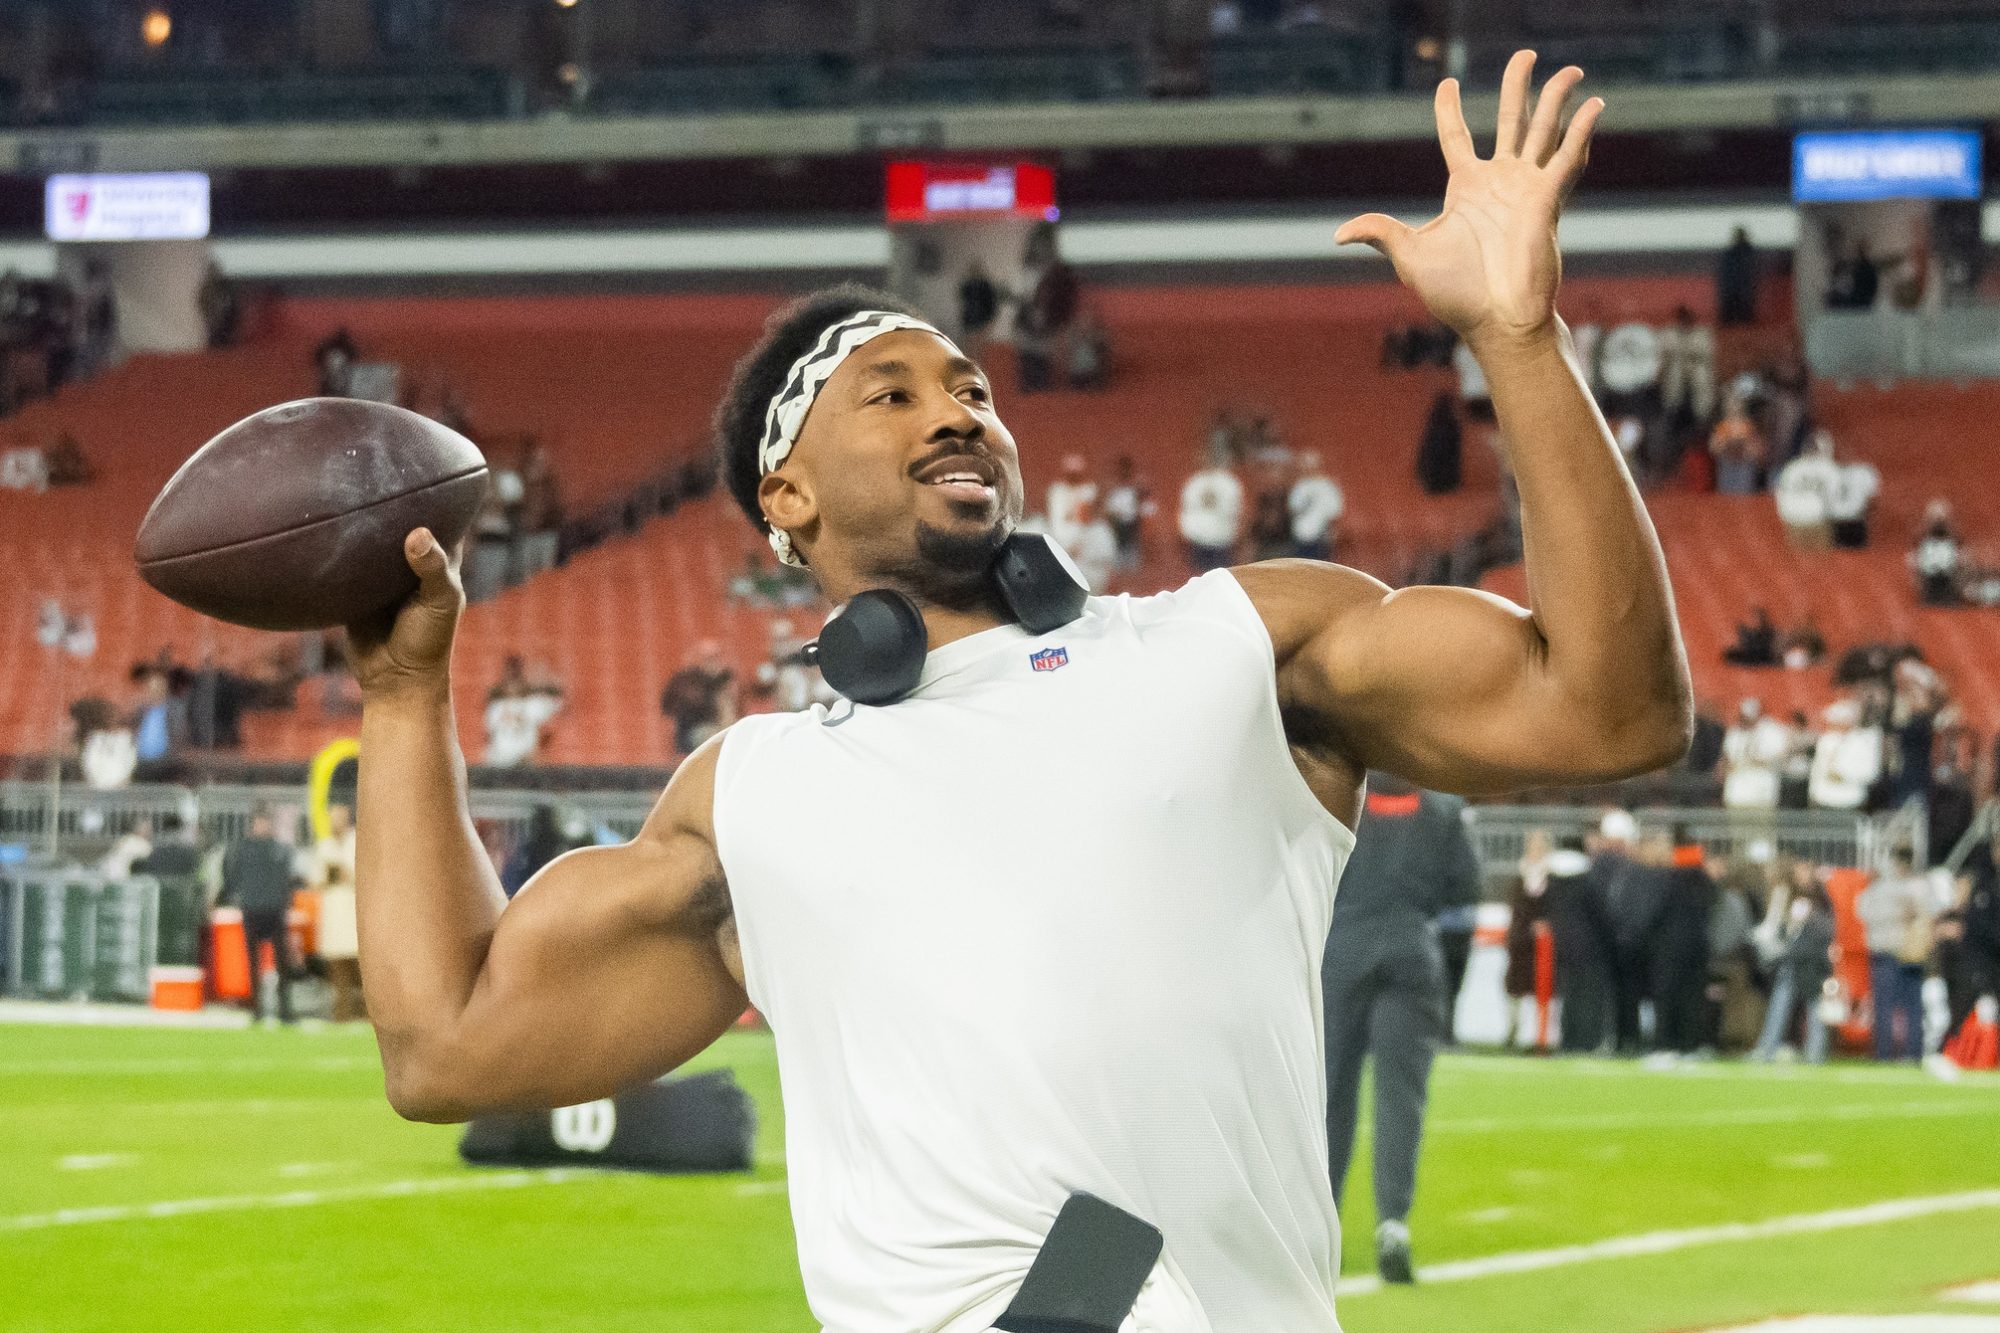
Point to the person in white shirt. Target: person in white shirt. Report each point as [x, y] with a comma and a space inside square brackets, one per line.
[1070, 500]
[514, 721]
[1753, 752]
[1051, 918]
[1211, 515]
[1804, 492]
[330, 874]
[1846, 761]
[1316, 504]
[1096, 550]
[1127, 506]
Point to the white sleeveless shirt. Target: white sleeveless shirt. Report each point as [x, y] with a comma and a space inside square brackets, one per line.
[1051, 923]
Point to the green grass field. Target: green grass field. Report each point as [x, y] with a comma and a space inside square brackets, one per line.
[155, 1179]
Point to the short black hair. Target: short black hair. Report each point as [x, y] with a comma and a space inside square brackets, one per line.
[788, 335]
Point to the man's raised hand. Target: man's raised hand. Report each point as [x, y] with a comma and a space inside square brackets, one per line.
[1487, 265]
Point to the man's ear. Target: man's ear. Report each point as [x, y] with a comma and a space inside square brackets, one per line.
[787, 501]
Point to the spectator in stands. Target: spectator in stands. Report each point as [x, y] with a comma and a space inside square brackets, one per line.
[1739, 450]
[213, 704]
[1795, 778]
[257, 879]
[1803, 492]
[1704, 753]
[1270, 525]
[65, 463]
[1752, 753]
[489, 554]
[221, 311]
[159, 725]
[133, 846]
[1071, 497]
[1804, 646]
[517, 711]
[1917, 700]
[1034, 351]
[331, 876]
[1096, 549]
[1787, 405]
[1211, 514]
[1896, 914]
[700, 698]
[1225, 436]
[1937, 557]
[1951, 802]
[978, 307]
[1687, 371]
[1796, 938]
[1440, 450]
[1756, 642]
[1846, 760]
[1316, 504]
[1848, 504]
[539, 525]
[1127, 506]
[96, 324]
[1737, 273]
[334, 359]
[787, 679]
[1089, 356]
[1854, 281]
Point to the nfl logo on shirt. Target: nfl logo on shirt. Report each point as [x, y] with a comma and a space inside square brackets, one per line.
[1049, 659]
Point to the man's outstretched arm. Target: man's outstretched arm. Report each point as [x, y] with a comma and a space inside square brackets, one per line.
[1457, 689]
[604, 971]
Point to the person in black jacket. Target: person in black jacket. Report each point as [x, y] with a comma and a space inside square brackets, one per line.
[1969, 936]
[1383, 979]
[1679, 950]
[258, 877]
[1635, 891]
[1580, 919]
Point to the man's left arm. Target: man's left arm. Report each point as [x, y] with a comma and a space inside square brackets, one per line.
[1453, 688]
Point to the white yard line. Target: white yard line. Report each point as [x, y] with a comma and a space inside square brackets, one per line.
[182, 1065]
[1728, 1069]
[252, 1106]
[1669, 1242]
[1750, 1115]
[394, 1189]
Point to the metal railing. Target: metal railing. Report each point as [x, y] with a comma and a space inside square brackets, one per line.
[1825, 837]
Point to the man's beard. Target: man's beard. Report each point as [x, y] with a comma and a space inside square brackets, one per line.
[950, 567]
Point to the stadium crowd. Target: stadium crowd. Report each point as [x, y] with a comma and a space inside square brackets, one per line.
[1654, 945]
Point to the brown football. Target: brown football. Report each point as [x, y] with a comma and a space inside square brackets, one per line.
[295, 518]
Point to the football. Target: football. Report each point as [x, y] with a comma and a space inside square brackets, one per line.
[294, 518]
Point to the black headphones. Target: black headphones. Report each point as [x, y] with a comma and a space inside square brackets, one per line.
[872, 647]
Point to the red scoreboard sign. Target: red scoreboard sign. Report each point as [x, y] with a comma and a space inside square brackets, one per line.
[946, 191]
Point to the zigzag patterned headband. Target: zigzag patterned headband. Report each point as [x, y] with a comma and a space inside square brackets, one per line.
[786, 416]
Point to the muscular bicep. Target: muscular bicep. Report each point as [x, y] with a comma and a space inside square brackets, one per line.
[605, 971]
[1448, 687]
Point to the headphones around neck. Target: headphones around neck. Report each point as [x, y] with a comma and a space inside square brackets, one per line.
[872, 647]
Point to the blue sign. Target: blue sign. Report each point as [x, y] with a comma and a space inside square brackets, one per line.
[1844, 165]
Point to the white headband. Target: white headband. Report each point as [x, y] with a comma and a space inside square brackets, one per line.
[786, 415]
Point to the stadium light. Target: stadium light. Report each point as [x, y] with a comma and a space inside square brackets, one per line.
[566, 4]
[156, 27]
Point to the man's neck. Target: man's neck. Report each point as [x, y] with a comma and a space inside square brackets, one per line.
[945, 625]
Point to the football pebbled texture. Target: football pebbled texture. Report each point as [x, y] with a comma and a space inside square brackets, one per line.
[294, 518]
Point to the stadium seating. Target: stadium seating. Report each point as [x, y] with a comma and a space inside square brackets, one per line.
[617, 386]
